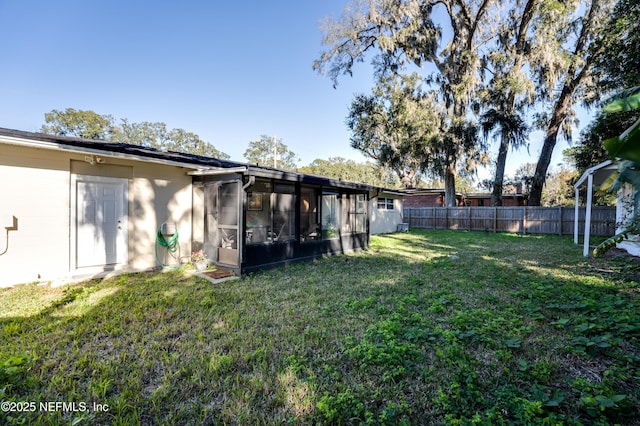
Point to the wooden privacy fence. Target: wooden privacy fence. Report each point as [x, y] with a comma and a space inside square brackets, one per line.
[524, 220]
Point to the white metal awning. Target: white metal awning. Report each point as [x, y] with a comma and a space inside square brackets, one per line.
[595, 175]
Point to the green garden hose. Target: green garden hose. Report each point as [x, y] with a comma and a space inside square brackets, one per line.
[171, 245]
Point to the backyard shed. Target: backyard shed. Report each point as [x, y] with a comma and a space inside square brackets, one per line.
[74, 208]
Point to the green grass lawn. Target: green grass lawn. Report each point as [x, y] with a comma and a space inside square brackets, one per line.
[429, 327]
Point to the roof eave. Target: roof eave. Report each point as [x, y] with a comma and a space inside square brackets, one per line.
[40, 144]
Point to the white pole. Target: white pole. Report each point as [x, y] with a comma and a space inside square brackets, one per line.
[275, 152]
[587, 216]
[576, 222]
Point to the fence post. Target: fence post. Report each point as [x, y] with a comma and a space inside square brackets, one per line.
[433, 217]
[560, 230]
[419, 217]
[446, 218]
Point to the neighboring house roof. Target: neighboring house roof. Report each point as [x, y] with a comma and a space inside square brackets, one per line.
[420, 191]
[201, 165]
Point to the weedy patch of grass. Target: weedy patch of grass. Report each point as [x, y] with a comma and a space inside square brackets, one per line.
[427, 327]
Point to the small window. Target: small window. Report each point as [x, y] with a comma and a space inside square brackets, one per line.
[385, 203]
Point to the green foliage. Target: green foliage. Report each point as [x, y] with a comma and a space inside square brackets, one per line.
[628, 100]
[351, 171]
[395, 126]
[78, 123]
[91, 125]
[393, 344]
[268, 152]
[625, 147]
[14, 374]
[396, 35]
[619, 66]
[589, 150]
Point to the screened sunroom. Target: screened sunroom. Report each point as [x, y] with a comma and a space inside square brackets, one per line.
[258, 218]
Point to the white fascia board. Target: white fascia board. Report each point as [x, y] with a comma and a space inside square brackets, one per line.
[216, 171]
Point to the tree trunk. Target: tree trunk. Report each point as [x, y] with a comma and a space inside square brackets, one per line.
[450, 185]
[559, 114]
[540, 176]
[505, 137]
[574, 78]
[501, 162]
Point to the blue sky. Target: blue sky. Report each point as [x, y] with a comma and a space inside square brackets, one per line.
[227, 71]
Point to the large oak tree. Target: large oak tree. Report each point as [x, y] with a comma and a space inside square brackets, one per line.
[396, 125]
[569, 39]
[400, 33]
[509, 90]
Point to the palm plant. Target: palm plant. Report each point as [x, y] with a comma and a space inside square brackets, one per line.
[626, 148]
[512, 131]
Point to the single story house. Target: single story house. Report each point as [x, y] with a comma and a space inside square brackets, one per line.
[73, 208]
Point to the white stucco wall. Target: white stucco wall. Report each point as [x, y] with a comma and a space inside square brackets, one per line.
[384, 221]
[159, 194]
[35, 189]
[624, 210]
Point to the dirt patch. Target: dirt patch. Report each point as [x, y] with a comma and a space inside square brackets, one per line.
[615, 252]
[617, 264]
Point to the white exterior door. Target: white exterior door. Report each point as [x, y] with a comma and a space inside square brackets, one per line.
[100, 221]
